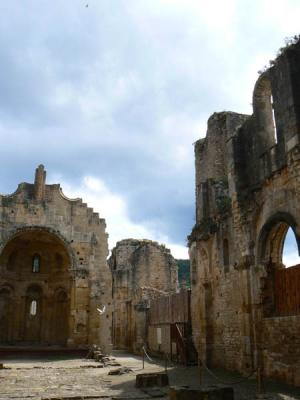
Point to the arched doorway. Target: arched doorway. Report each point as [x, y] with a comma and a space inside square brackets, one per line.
[6, 309]
[37, 262]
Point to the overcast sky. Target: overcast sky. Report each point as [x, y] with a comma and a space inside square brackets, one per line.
[110, 95]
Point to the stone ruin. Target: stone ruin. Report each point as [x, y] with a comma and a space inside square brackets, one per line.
[245, 303]
[56, 287]
[141, 270]
[53, 269]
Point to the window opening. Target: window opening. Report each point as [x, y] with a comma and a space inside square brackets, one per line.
[33, 307]
[290, 255]
[158, 333]
[36, 263]
[273, 120]
[225, 254]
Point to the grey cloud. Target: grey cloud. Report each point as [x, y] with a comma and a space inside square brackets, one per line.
[86, 92]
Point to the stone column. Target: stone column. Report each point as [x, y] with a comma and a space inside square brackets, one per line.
[39, 183]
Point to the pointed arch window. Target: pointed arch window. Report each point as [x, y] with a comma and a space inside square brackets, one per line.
[36, 263]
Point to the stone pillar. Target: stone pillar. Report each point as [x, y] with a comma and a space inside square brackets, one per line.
[39, 183]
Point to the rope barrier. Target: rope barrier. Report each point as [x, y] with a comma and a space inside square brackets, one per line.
[147, 355]
[201, 363]
[225, 382]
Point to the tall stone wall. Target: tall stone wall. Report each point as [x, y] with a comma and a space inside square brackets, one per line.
[52, 256]
[244, 302]
[141, 270]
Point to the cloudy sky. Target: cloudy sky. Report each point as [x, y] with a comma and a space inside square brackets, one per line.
[111, 94]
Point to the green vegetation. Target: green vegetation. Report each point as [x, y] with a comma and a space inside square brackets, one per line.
[184, 276]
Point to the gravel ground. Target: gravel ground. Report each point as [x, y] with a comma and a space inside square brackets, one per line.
[73, 378]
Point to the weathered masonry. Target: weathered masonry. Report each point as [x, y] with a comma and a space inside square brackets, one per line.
[53, 269]
[245, 302]
[141, 270]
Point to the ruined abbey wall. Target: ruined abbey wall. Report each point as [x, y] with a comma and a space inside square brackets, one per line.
[53, 269]
[245, 303]
[141, 270]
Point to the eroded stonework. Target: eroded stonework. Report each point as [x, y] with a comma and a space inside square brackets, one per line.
[53, 269]
[245, 303]
[141, 270]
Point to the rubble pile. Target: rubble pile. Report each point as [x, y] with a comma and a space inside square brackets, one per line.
[96, 354]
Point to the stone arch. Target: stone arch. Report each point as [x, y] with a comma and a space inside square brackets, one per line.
[271, 238]
[280, 295]
[263, 112]
[42, 229]
[42, 312]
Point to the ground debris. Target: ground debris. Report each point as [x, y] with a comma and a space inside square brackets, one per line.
[96, 354]
[2, 366]
[63, 379]
[120, 371]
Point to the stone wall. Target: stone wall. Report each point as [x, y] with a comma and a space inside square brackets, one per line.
[247, 197]
[141, 270]
[69, 243]
[281, 343]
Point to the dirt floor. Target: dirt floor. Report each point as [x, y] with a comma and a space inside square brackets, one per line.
[64, 377]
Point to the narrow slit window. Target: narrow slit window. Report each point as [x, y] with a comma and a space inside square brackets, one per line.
[274, 120]
[36, 263]
[226, 254]
[33, 307]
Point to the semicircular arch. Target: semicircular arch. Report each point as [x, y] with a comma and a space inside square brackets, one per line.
[272, 235]
[55, 234]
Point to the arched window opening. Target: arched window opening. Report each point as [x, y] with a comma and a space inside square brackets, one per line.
[264, 113]
[36, 263]
[226, 255]
[290, 255]
[279, 254]
[33, 308]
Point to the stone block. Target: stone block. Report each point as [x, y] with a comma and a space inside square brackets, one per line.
[152, 379]
[201, 393]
